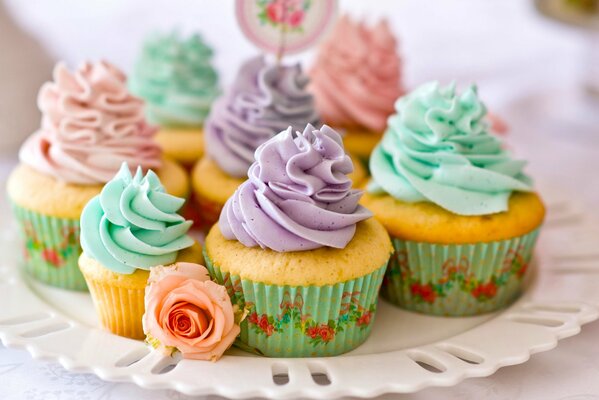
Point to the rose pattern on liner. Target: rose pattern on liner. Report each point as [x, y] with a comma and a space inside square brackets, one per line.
[288, 14]
[209, 213]
[293, 315]
[456, 274]
[56, 255]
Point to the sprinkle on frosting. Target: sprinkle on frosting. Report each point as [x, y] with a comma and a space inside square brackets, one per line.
[264, 100]
[133, 224]
[90, 125]
[298, 196]
[438, 148]
[356, 75]
[175, 77]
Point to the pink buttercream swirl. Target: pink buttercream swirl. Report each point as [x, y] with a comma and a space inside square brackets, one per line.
[356, 75]
[90, 125]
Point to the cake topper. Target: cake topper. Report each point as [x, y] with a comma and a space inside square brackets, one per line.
[283, 27]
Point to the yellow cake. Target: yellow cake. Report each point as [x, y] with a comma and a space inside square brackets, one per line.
[361, 142]
[42, 193]
[367, 251]
[427, 222]
[119, 298]
[185, 145]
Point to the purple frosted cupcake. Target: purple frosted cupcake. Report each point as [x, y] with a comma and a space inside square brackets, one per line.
[264, 100]
[295, 249]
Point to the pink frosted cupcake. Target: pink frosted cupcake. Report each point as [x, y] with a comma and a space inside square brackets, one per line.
[90, 125]
[356, 81]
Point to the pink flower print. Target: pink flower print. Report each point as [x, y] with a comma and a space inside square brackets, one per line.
[275, 11]
[296, 18]
[51, 256]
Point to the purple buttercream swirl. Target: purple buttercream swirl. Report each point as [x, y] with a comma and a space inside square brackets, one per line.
[298, 196]
[264, 100]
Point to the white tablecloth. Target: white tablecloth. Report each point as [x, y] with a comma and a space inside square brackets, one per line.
[527, 69]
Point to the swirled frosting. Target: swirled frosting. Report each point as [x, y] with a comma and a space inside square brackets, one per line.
[298, 196]
[133, 224]
[356, 75]
[438, 148]
[90, 125]
[176, 79]
[264, 100]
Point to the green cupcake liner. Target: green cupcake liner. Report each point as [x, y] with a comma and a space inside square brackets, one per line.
[458, 279]
[303, 321]
[51, 248]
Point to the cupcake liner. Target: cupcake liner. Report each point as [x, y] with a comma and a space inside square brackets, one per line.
[303, 321]
[50, 248]
[458, 279]
[120, 310]
[208, 212]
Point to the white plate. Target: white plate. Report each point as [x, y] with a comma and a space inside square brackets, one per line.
[405, 353]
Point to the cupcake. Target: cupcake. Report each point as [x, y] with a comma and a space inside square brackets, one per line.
[356, 80]
[265, 99]
[462, 214]
[90, 125]
[176, 78]
[130, 227]
[294, 249]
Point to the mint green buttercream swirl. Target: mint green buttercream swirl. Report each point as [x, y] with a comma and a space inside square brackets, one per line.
[438, 148]
[133, 224]
[176, 79]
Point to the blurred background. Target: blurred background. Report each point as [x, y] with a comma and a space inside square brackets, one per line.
[531, 70]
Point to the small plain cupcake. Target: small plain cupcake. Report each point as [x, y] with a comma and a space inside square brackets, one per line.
[356, 79]
[90, 125]
[265, 99]
[130, 227]
[294, 248]
[462, 214]
[175, 76]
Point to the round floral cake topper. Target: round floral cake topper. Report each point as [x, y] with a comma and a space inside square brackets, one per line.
[285, 26]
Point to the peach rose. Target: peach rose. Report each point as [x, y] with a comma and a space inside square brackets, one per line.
[187, 312]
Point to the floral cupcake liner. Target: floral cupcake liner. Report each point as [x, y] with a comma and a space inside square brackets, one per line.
[303, 321]
[458, 279]
[50, 248]
[207, 214]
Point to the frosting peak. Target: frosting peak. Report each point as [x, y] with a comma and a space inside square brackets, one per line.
[356, 75]
[133, 223]
[175, 77]
[264, 100]
[438, 148]
[90, 125]
[298, 196]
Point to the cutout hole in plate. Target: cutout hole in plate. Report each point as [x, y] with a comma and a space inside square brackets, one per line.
[559, 308]
[540, 321]
[24, 319]
[280, 374]
[132, 357]
[165, 366]
[464, 355]
[319, 373]
[427, 362]
[46, 330]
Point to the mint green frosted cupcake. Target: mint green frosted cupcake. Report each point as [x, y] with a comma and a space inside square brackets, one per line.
[294, 249]
[129, 228]
[462, 214]
[175, 76]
